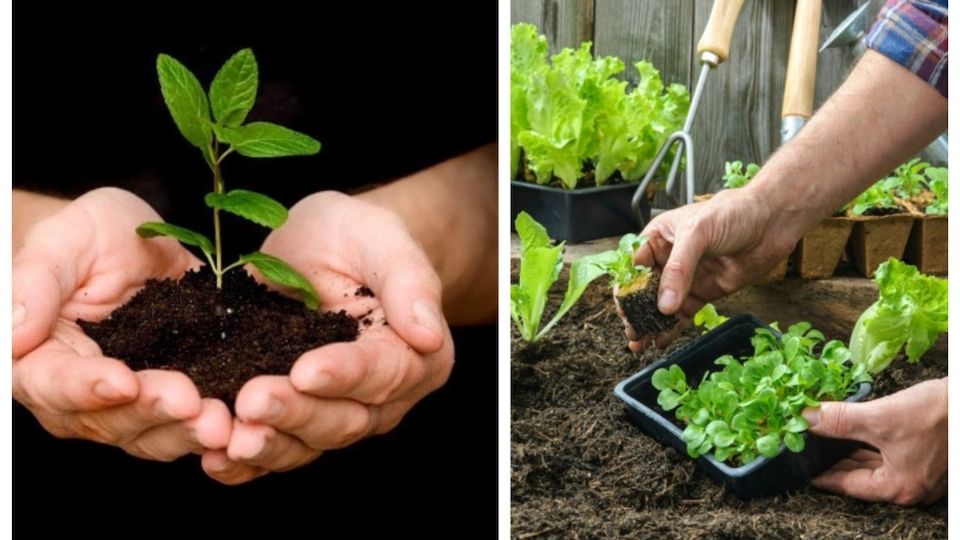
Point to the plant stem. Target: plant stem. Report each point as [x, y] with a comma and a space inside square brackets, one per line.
[217, 188]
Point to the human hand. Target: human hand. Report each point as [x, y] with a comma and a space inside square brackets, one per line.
[710, 249]
[82, 263]
[908, 429]
[340, 393]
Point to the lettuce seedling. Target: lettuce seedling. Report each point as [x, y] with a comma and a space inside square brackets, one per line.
[910, 313]
[936, 182]
[231, 96]
[752, 406]
[708, 318]
[735, 177]
[540, 266]
[876, 198]
[908, 179]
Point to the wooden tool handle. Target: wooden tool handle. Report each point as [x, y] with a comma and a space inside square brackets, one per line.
[716, 36]
[802, 65]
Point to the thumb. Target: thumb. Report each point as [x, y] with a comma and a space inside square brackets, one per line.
[842, 420]
[37, 297]
[677, 275]
[410, 291]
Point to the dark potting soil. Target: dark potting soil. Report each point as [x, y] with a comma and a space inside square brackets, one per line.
[581, 469]
[640, 308]
[219, 338]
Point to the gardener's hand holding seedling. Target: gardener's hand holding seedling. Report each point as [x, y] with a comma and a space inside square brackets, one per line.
[406, 243]
[81, 263]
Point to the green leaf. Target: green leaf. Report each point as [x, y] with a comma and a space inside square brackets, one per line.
[249, 205]
[234, 89]
[266, 140]
[540, 265]
[582, 272]
[797, 424]
[661, 379]
[282, 273]
[186, 101]
[152, 229]
[795, 441]
[668, 399]
[708, 318]
[769, 445]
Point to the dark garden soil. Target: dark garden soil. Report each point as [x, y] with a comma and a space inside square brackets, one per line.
[581, 469]
[219, 338]
[640, 308]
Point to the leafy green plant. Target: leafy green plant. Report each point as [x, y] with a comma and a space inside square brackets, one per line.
[878, 197]
[910, 313]
[752, 405]
[735, 176]
[936, 181]
[214, 122]
[618, 263]
[540, 265]
[570, 111]
[708, 318]
[908, 179]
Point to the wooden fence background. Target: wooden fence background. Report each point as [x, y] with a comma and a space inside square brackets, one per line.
[739, 115]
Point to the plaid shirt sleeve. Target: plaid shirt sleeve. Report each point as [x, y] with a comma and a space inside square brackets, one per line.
[913, 33]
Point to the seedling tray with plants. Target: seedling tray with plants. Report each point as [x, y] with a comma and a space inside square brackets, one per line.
[761, 476]
[580, 141]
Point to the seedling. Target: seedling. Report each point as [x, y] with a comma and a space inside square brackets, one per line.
[231, 96]
[708, 318]
[735, 177]
[752, 406]
[540, 266]
[936, 181]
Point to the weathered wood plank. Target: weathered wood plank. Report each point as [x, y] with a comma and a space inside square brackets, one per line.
[566, 23]
[658, 31]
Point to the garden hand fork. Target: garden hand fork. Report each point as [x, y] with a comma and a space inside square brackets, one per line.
[713, 48]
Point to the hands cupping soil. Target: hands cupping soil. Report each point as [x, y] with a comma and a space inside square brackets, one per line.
[85, 261]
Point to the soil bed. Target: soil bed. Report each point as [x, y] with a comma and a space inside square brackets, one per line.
[581, 469]
[220, 339]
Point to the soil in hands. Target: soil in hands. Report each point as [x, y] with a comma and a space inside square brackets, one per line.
[219, 338]
[640, 308]
[581, 469]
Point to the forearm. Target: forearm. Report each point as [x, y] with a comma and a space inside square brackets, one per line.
[881, 116]
[451, 210]
[29, 209]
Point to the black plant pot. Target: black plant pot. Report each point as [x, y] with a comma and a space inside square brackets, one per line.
[763, 477]
[579, 214]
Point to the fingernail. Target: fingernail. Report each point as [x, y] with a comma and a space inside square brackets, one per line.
[219, 463]
[812, 416]
[107, 392]
[19, 315]
[273, 410]
[668, 300]
[426, 316]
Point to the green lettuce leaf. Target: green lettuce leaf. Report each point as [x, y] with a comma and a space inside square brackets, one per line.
[910, 314]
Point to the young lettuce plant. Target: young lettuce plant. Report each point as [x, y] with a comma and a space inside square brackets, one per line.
[752, 406]
[735, 177]
[540, 266]
[708, 318]
[936, 182]
[217, 135]
[910, 314]
[908, 179]
[877, 199]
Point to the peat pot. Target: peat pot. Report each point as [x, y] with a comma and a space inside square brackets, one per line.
[762, 477]
[877, 238]
[819, 251]
[927, 247]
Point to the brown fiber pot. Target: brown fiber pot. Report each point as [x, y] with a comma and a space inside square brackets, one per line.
[877, 238]
[927, 247]
[777, 273]
[819, 251]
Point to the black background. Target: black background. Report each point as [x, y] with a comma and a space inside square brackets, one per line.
[388, 89]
